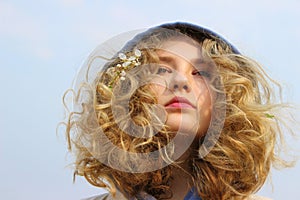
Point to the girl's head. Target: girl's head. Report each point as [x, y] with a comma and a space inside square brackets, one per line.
[173, 89]
[182, 85]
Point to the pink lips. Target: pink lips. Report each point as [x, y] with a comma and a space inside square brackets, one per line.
[179, 102]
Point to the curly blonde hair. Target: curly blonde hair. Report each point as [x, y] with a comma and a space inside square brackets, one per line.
[236, 166]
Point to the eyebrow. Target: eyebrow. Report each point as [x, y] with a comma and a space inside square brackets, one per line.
[165, 58]
[198, 61]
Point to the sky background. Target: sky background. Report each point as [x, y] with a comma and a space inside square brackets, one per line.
[43, 43]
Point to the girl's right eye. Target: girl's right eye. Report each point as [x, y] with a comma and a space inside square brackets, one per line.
[163, 70]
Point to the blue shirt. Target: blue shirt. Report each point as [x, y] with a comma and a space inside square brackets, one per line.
[192, 195]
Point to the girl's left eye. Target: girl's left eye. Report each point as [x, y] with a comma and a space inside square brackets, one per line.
[202, 74]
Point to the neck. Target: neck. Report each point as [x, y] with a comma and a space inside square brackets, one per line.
[182, 180]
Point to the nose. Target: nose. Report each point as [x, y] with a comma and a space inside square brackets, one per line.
[179, 82]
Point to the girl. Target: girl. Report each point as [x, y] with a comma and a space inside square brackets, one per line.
[178, 113]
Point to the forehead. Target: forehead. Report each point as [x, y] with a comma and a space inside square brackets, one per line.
[181, 46]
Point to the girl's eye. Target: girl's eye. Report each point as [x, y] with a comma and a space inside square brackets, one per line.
[163, 70]
[202, 74]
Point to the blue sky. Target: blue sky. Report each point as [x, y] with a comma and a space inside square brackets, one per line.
[43, 43]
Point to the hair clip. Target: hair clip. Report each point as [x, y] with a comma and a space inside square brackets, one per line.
[126, 63]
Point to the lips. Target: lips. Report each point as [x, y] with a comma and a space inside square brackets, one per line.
[179, 102]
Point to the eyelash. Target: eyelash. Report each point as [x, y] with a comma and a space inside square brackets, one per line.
[202, 73]
[163, 70]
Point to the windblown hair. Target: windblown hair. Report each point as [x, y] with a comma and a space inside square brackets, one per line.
[236, 166]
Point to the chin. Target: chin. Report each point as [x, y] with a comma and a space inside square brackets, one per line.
[182, 126]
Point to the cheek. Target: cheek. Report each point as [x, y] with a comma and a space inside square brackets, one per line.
[203, 93]
[204, 102]
[158, 84]
[157, 90]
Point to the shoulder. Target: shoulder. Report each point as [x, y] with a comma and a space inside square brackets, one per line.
[256, 197]
[98, 197]
[107, 196]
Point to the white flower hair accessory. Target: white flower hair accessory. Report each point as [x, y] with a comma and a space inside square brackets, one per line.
[126, 63]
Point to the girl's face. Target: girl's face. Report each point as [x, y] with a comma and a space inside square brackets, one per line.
[181, 86]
